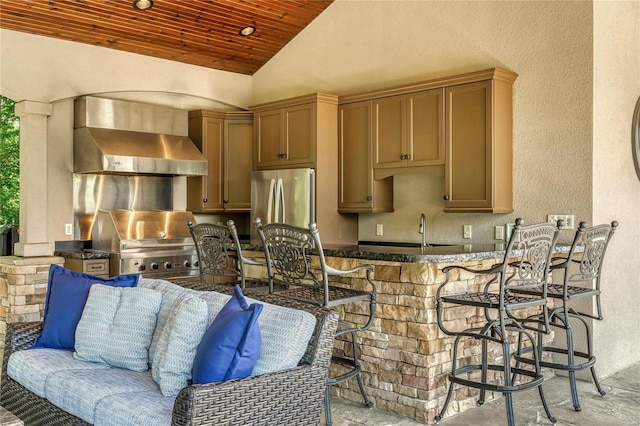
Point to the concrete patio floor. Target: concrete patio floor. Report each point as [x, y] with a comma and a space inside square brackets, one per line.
[619, 407]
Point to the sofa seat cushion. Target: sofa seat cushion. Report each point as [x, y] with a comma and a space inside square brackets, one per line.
[148, 408]
[32, 368]
[79, 391]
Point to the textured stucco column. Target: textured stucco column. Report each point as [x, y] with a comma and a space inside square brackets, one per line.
[33, 179]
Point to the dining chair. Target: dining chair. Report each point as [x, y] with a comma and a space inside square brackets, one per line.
[292, 273]
[581, 274]
[526, 264]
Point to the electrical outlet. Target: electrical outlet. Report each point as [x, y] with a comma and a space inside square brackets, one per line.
[498, 233]
[568, 220]
[466, 233]
[509, 229]
[68, 229]
[379, 229]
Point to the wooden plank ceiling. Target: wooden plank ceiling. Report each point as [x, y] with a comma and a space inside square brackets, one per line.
[198, 32]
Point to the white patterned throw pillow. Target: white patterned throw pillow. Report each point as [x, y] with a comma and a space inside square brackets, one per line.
[173, 358]
[117, 325]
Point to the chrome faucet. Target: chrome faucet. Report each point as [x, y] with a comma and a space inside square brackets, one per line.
[423, 230]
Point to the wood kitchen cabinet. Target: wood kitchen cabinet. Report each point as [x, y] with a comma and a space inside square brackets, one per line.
[358, 192]
[285, 137]
[458, 126]
[226, 140]
[408, 130]
[478, 169]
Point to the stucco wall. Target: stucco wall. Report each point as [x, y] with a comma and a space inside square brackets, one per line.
[616, 189]
[572, 115]
[356, 46]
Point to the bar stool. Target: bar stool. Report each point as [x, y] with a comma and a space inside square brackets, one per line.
[288, 251]
[220, 257]
[580, 269]
[532, 247]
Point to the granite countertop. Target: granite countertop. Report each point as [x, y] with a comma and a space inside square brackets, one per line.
[437, 254]
[82, 254]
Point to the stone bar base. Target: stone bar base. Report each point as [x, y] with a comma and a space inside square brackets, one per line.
[23, 287]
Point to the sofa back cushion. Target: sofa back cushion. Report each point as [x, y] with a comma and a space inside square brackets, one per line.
[117, 325]
[285, 331]
[178, 343]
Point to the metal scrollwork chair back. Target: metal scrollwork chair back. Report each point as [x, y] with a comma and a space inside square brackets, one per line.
[219, 253]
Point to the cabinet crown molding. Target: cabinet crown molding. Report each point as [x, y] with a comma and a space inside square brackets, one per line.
[471, 77]
[299, 100]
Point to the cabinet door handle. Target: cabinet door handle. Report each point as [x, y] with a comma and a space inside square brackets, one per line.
[446, 198]
[284, 156]
[225, 201]
[407, 157]
[205, 200]
[369, 198]
[402, 156]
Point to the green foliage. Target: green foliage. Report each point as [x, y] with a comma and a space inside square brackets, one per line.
[9, 163]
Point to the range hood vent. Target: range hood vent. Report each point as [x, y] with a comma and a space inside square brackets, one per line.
[114, 136]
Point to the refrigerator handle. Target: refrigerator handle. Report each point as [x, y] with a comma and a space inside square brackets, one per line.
[272, 196]
[280, 202]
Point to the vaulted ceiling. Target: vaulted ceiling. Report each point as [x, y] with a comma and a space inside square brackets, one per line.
[197, 32]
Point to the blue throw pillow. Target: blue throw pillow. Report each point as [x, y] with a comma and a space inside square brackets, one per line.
[231, 344]
[67, 293]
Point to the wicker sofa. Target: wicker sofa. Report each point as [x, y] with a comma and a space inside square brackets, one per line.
[289, 397]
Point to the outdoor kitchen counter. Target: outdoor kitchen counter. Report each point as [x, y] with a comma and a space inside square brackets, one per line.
[82, 254]
[405, 357]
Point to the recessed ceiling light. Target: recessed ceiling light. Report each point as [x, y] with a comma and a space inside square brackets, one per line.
[142, 4]
[247, 31]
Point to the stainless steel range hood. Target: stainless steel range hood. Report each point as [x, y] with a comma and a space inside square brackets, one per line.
[114, 136]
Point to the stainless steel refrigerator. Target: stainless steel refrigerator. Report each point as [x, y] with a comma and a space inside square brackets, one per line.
[285, 196]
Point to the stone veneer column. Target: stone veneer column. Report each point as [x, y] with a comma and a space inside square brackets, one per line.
[23, 287]
[33, 179]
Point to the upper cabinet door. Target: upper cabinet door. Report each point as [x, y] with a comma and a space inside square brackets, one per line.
[205, 193]
[358, 192]
[389, 132]
[478, 170]
[269, 135]
[238, 148]
[425, 136]
[300, 141]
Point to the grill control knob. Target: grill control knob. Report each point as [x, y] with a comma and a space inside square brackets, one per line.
[167, 265]
[196, 264]
[141, 267]
[187, 264]
[154, 265]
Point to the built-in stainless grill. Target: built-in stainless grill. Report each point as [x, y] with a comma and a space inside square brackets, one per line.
[156, 244]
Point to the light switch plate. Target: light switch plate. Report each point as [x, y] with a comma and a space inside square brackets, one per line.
[498, 233]
[379, 229]
[68, 229]
[466, 233]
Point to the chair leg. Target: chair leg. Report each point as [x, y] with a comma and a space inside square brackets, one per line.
[483, 374]
[327, 406]
[509, 406]
[454, 366]
[546, 407]
[356, 363]
[595, 380]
